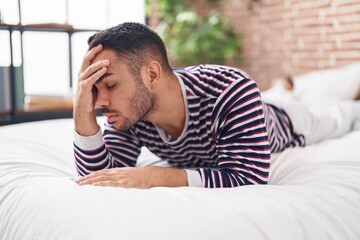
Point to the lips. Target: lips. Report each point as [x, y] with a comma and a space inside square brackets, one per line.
[111, 117]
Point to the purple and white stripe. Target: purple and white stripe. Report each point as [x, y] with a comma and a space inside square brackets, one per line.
[230, 132]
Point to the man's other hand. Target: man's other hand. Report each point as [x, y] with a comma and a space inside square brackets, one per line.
[136, 177]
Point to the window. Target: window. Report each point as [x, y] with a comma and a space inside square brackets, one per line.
[9, 11]
[43, 11]
[5, 58]
[46, 63]
[45, 55]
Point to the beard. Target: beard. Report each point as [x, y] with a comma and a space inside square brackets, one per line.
[140, 106]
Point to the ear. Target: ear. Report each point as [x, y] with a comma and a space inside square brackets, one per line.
[153, 73]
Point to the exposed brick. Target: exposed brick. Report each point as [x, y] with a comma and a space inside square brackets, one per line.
[315, 4]
[348, 28]
[346, 2]
[288, 37]
[345, 37]
[295, 36]
[345, 18]
[347, 54]
[349, 9]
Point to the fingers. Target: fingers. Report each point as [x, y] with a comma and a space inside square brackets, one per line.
[116, 177]
[91, 69]
[95, 180]
[92, 72]
[105, 175]
[92, 177]
[103, 180]
[89, 56]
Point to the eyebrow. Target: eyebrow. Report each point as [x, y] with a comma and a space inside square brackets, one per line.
[103, 76]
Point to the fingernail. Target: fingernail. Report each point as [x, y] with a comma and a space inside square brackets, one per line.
[106, 61]
[78, 179]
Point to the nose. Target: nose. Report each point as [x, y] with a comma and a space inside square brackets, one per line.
[101, 99]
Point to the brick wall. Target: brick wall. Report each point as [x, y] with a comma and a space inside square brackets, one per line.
[288, 37]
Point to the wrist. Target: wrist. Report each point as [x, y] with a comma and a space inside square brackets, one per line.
[85, 124]
[167, 177]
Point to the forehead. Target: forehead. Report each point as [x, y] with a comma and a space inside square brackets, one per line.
[116, 65]
[105, 54]
[117, 69]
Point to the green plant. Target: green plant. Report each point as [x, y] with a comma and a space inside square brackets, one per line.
[194, 39]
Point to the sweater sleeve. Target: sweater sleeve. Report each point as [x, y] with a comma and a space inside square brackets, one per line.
[241, 139]
[109, 149]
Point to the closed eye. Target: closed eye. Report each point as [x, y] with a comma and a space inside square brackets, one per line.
[110, 86]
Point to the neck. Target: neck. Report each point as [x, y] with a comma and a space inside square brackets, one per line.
[170, 110]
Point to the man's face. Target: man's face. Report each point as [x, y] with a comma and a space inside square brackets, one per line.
[123, 99]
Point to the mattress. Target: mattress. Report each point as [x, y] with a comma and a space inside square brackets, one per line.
[313, 193]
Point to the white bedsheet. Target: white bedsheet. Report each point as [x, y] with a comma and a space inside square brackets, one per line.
[313, 193]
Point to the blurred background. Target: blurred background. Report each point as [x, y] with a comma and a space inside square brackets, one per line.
[42, 42]
[275, 38]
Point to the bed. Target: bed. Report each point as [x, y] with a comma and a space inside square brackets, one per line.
[313, 193]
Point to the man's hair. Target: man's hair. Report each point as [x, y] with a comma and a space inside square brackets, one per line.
[134, 43]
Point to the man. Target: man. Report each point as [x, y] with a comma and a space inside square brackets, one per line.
[207, 121]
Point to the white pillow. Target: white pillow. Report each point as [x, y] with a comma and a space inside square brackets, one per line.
[326, 86]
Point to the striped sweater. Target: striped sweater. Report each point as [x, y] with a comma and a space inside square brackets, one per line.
[228, 136]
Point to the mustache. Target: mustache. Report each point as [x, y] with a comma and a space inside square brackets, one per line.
[107, 110]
